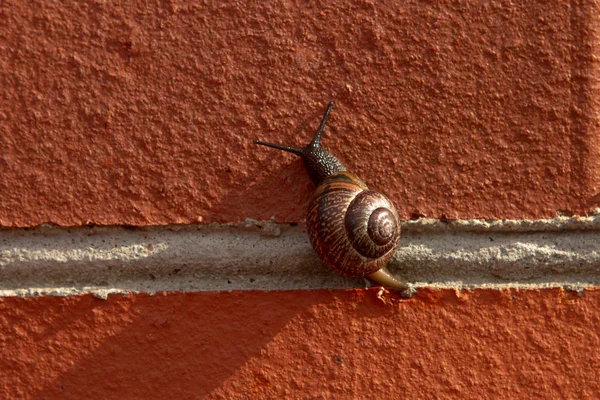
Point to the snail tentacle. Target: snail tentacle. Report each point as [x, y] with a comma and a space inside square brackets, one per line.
[295, 150]
[316, 142]
[319, 162]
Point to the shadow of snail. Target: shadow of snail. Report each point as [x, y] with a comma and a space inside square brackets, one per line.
[352, 229]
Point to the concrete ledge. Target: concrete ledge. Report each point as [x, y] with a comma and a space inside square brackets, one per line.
[267, 256]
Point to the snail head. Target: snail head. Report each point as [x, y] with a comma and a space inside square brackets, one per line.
[319, 162]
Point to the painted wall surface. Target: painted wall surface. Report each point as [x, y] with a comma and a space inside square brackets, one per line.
[318, 344]
[143, 114]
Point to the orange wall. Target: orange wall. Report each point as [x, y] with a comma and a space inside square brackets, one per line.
[319, 344]
[144, 114]
[131, 114]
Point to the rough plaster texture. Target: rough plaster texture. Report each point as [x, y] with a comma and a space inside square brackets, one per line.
[126, 114]
[115, 113]
[476, 344]
[268, 256]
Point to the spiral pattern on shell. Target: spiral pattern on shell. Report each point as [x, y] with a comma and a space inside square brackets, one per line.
[352, 229]
[370, 225]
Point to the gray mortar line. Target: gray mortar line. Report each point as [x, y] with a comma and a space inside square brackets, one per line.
[564, 251]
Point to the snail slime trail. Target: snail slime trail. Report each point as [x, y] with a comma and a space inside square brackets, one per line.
[352, 229]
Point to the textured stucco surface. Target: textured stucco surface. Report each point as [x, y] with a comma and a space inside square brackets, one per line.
[122, 114]
[319, 344]
[115, 113]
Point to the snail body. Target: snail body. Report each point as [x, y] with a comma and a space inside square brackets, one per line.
[353, 229]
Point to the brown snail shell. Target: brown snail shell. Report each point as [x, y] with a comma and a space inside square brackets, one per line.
[352, 229]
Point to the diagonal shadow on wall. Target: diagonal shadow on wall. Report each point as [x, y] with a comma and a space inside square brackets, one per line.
[173, 345]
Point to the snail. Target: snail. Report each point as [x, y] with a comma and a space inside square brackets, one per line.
[352, 229]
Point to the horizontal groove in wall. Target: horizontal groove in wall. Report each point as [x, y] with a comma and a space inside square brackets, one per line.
[267, 256]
